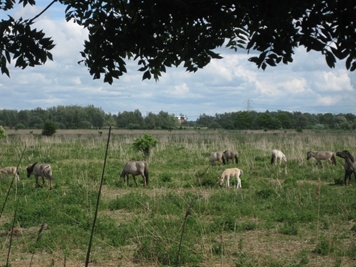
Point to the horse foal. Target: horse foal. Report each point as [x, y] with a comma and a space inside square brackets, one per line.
[11, 170]
[278, 155]
[40, 170]
[227, 174]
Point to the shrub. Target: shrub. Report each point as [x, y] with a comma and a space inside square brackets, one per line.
[19, 126]
[145, 144]
[3, 134]
[49, 128]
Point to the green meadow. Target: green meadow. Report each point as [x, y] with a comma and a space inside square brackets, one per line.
[294, 214]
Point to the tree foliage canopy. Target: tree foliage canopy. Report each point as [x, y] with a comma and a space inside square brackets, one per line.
[165, 33]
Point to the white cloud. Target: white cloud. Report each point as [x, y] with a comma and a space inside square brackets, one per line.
[337, 80]
[295, 86]
[180, 90]
[327, 100]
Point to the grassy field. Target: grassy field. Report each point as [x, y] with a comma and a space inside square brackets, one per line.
[296, 214]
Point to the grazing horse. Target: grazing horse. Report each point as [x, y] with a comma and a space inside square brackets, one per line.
[11, 170]
[278, 156]
[227, 174]
[43, 170]
[229, 154]
[135, 168]
[350, 165]
[216, 156]
[322, 155]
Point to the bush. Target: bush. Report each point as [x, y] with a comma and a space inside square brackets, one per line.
[145, 144]
[3, 134]
[49, 128]
[19, 126]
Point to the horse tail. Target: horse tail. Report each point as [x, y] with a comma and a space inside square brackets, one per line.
[223, 159]
[146, 173]
[236, 159]
[333, 159]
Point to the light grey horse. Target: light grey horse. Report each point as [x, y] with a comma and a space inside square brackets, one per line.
[216, 156]
[322, 155]
[278, 157]
[43, 170]
[229, 154]
[135, 168]
[350, 165]
[11, 170]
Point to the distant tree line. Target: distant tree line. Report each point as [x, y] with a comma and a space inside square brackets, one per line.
[252, 120]
[77, 117]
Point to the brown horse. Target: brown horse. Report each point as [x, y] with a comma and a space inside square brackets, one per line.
[11, 170]
[216, 156]
[322, 155]
[350, 165]
[135, 168]
[43, 170]
[229, 154]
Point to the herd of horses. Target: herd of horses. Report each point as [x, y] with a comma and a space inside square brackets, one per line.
[135, 168]
[278, 157]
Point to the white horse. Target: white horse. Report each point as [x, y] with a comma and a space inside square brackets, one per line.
[40, 170]
[228, 173]
[11, 170]
[278, 156]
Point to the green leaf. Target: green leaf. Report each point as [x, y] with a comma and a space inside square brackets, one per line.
[146, 75]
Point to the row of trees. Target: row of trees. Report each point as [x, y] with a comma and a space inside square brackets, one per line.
[243, 120]
[76, 117]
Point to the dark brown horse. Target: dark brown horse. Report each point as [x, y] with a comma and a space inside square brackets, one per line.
[350, 165]
[135, 168]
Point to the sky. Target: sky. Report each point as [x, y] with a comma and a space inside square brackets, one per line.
[227, 85]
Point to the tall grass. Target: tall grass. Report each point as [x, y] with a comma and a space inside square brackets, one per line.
[297, 214]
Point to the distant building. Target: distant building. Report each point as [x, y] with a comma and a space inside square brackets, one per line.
[181, 118]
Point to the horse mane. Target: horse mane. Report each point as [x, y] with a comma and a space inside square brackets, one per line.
[349, 155]
[32, 166]
[333, 159]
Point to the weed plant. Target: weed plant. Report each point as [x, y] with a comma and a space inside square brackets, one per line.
[294, 214]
